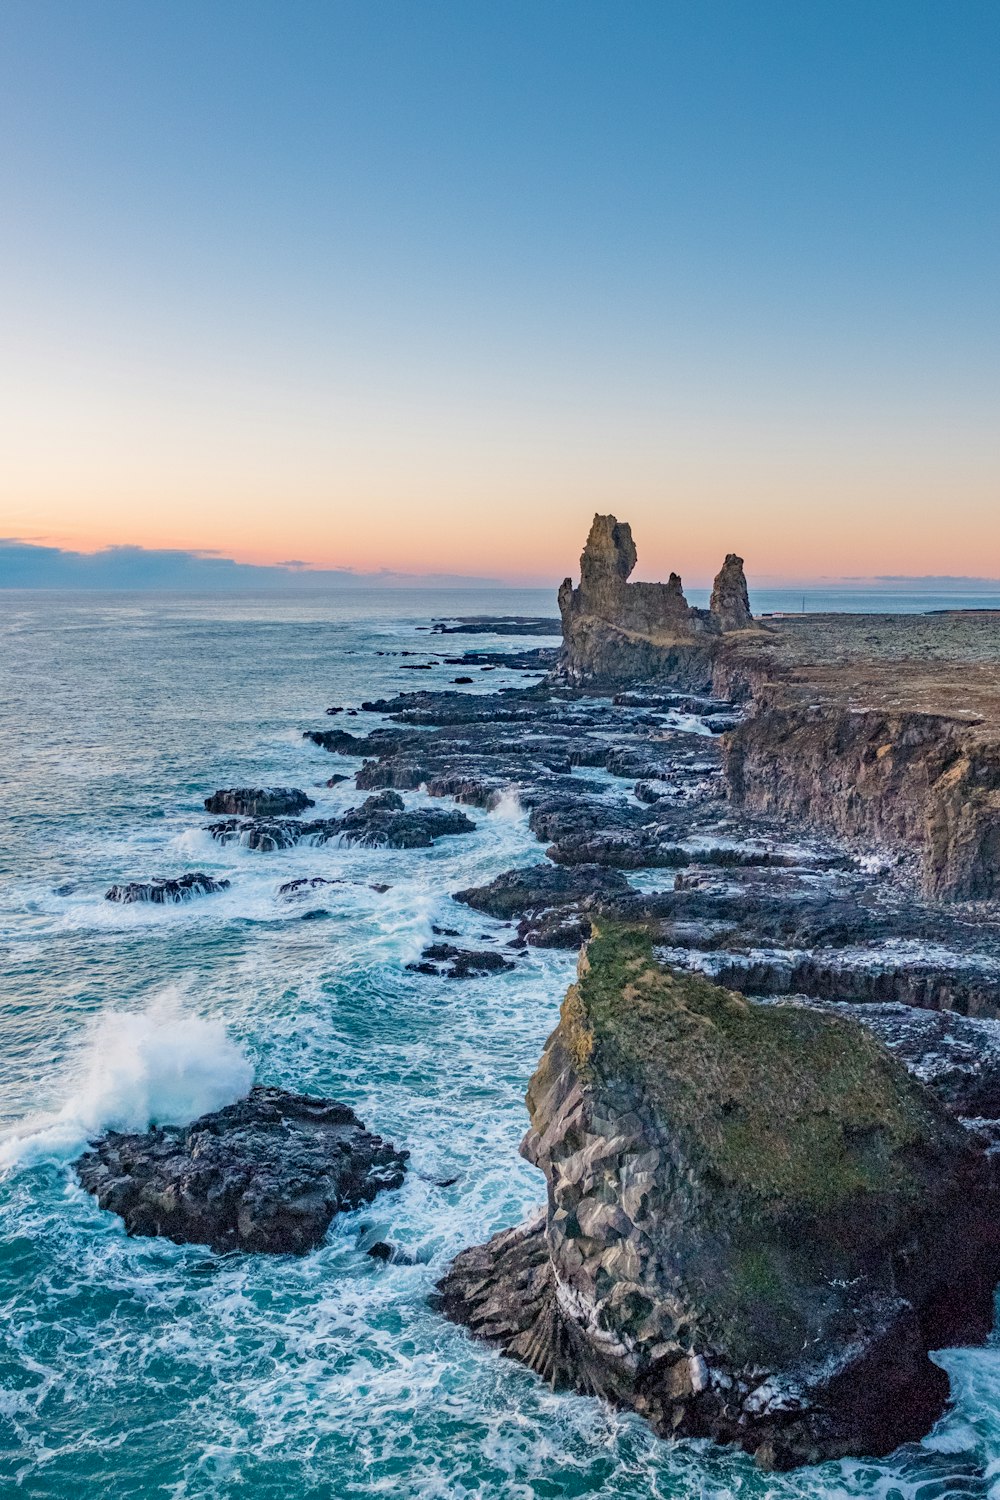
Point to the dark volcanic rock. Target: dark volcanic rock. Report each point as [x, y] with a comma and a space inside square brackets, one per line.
[305, 885]
[758, 1224]
[730, 602]
[497, 625]
[538, 887]
[163, 891]
[258, 802]
[460, 963]
[553, 903]
[380, 821]
[267, 1173]
[539, 659]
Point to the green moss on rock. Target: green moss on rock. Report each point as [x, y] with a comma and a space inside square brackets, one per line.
[786, 1105]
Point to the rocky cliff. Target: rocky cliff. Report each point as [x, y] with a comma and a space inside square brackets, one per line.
[883, 729]
[758, 1222]
[616, 632]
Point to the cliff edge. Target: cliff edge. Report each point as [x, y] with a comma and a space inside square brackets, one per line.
[758, 1224]
[884, 728]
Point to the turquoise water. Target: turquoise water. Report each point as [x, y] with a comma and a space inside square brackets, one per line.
[135, 1368]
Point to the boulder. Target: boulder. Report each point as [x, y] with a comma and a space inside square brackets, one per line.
[758, 1224]
[267, 1173]
[450, 962]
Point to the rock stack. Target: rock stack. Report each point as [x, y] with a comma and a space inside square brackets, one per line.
[758, 1222]
[616, 632]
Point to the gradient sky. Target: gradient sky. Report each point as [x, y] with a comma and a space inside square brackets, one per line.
[423, 285]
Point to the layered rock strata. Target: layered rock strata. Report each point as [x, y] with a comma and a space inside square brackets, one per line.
[758, 1224]
[854, 726]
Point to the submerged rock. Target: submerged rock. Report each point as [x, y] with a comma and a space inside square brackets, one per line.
[163, 892]
[258, 802]
[267, 1173]
[305, 885]
[758, 1223]
[460, 963]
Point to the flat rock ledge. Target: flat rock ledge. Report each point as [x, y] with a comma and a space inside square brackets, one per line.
[258, 801]
[758, 1221]
[267, 1173]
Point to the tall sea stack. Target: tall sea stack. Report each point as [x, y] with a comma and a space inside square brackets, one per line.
[616, 632]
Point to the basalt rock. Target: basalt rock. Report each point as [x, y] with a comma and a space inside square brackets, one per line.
[460, 963]
[267, 1173]
[615, 631]
[917, 779]
[882, 728]
[166, 892]
[730, 603]
[497, 625]
[258, 802]
[382, 821]
[305, 885]
[758, 1223]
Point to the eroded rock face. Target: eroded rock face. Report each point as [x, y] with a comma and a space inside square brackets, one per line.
[758, 1223]
[267, 1173]
[258, 802]
[730, 603]
[615, 631]
[162, 891]
[914, 779]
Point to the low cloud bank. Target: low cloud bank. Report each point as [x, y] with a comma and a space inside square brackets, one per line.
[27, 565]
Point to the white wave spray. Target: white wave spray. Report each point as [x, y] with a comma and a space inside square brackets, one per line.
[160, 1065]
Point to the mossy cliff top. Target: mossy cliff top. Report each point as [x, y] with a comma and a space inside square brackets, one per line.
[757, 1223]
[783, 1105]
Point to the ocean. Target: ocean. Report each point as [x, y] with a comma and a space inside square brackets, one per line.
[138, 1368]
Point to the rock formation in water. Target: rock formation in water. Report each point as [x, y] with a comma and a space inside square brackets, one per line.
[382, 821]
[267, 1173]
[758, 1223]
[615, 631]
[162, 891]
[258, 802]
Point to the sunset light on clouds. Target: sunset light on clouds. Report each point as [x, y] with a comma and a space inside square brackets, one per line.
[421, 287]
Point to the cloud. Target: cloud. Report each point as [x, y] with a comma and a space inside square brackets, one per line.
[27, 565]
[939, 580]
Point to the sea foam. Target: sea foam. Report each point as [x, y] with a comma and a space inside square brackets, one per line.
[160, 1065]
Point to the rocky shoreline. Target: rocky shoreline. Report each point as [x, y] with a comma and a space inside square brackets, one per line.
[794, 855]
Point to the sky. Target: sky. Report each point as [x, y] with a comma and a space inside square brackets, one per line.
[420, 285]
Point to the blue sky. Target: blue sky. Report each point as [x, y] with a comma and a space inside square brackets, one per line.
[402, 284]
